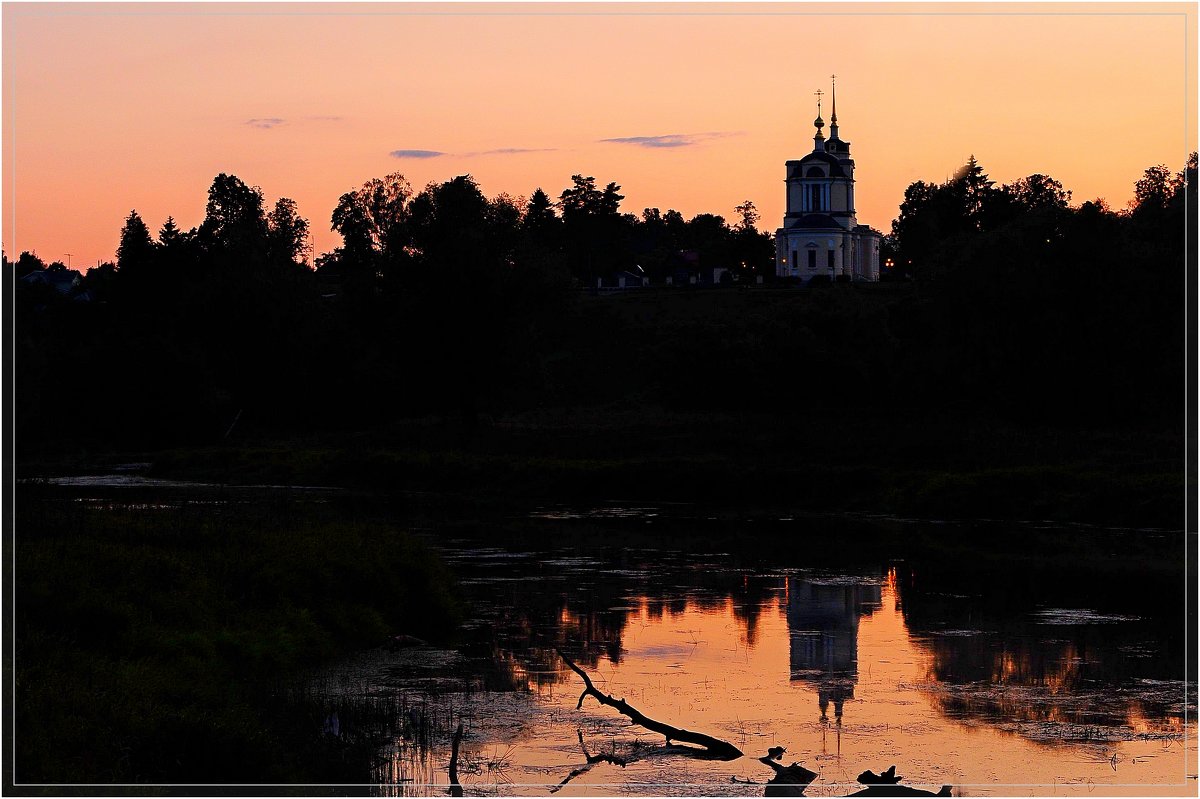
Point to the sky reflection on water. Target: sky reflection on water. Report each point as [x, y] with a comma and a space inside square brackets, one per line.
[849, 669]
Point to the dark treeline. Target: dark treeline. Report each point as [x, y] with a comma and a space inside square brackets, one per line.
[1049, 310]
[1005, 301]
[443, 301]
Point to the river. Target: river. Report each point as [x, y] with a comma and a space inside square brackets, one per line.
[957, 652]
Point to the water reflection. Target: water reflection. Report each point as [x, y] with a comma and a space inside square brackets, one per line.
[946, 673]
[822, 617]
[1022, 666]
[1050, 674]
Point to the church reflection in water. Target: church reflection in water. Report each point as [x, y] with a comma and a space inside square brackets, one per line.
[822, 618]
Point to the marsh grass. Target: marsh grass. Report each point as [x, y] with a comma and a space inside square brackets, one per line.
[160, 647]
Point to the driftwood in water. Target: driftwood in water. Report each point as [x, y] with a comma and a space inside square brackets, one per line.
[885, 784]
[591, 761]
[455, 787]
[715, 747]
[794, 779]
[788, 780]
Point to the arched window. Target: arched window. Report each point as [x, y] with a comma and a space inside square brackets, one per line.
[815, 197]
[815, 172]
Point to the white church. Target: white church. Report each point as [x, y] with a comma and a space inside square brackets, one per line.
[820, 234]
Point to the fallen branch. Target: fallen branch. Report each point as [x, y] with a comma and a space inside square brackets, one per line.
[714, 747]
[885, 783]
[788, 780]
[455, 787]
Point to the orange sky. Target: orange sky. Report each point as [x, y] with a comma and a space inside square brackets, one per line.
[112, 107]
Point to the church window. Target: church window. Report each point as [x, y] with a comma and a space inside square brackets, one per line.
[812, 259]
[815, 203]
[793, 259]
[830, 258]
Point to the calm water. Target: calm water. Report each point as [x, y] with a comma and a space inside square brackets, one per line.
[853, 654]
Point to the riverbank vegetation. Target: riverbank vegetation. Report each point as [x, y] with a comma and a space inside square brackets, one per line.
[1021, 349]
[162, 643]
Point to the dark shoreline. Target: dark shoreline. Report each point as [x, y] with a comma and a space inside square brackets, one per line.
[929, 469]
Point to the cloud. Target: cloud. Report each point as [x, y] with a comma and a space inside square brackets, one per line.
[266, 123]
[516, 150]
[415, 153]
[669, 139]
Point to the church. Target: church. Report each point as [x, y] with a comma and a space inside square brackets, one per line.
[820, 234]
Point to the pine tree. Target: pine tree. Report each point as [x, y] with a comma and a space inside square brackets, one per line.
[976, 189]
[169, 235]
[540, 220]
[136, 248]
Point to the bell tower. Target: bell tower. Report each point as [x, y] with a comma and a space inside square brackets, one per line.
[820, 233]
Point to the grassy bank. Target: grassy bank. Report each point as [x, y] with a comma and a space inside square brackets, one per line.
[946, 468]
[157, 644]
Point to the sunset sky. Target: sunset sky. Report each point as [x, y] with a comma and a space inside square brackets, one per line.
[113, 107]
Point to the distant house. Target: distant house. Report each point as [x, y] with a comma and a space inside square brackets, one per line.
[624, 279]
[64, 281]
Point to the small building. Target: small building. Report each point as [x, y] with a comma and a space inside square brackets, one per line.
[820, 233]
[64, 281]
[624, 279]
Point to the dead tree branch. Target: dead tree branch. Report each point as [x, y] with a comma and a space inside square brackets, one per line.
[788, 780]
[714, 747]
[885, 783]
[455, 787]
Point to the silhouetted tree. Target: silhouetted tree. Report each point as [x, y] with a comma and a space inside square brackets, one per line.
[169, 235]
[597, 236]
[976, 190]
[28, 262]
[235, 224]
[1038, 192]
[1154, 190]
[287, 233]
[749, 215]
[136, 250]
[373, 223]
[540, 221]
[99, 281]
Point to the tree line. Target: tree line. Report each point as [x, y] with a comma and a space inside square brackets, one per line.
[448, 302]
[1076, 311]
[436, 301]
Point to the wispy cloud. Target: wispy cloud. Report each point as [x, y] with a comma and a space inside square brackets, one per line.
[499, 151]
[670, 139]
[415, 153]
[266, 123]
[516, 150]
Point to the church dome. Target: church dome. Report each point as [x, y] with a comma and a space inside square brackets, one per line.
[820, 123]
